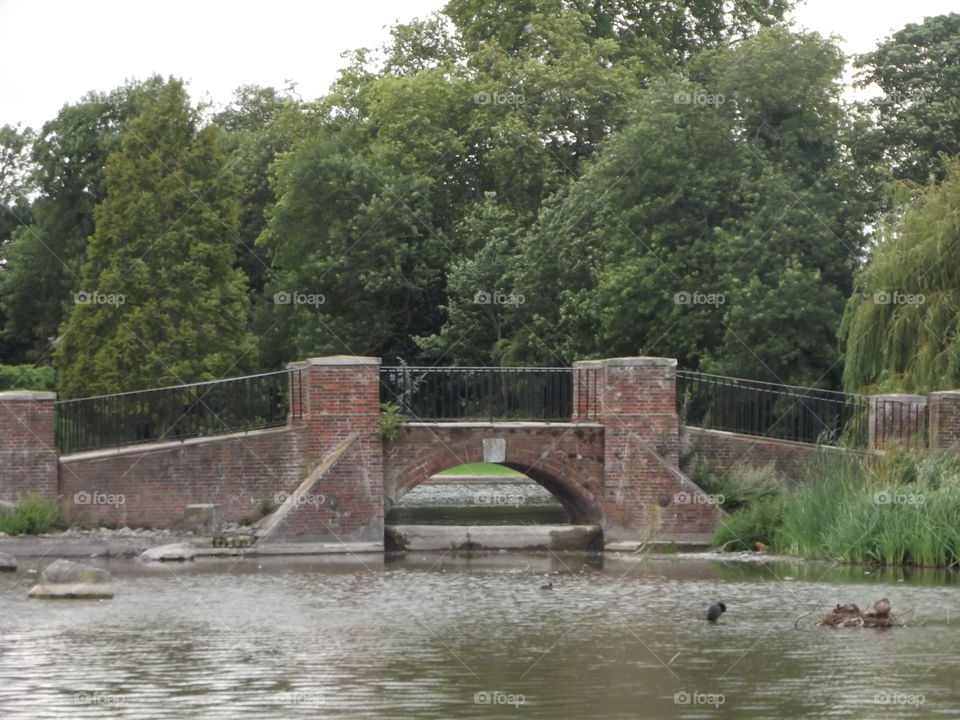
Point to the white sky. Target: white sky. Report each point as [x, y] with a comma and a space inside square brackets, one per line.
[53, 51]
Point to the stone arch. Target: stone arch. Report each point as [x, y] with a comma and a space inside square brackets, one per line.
[575, 482]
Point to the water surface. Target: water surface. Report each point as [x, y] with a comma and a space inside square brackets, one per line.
[438, 636]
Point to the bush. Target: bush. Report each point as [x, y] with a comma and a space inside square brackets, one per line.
[897, 509]
[390, 422]
[742, 484]
[33, 515]
[27, 377]
[758, 522]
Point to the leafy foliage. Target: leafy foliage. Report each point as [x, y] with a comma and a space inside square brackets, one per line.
[163, 251]
[901, 327]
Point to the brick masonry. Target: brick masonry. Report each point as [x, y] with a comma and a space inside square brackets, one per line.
[616, 463]
[718, 451]
[28, 453]
[157, 482]
[567, 459]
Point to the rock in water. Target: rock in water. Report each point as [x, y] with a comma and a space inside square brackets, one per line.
[68, 579]
[8, 563]
[175, 552]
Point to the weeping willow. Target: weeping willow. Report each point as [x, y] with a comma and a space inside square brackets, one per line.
[901, 327]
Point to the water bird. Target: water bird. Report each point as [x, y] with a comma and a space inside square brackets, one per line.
[715, 611]
[547, 586]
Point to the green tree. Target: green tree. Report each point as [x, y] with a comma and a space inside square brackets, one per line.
[916, 118]
[901, 328]
[42, 261]
[161, 302]
[734, 184]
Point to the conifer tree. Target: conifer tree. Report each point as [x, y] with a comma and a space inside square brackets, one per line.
[161, 301]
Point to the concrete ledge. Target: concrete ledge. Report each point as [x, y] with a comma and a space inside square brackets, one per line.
[309, 548]
[18, 395]
[342, 360]
[521, 425]
[155, 446]
[686, 541]
[493, 537]
[641, 362]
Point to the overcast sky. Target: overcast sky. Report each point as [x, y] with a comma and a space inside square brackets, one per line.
[53, 51]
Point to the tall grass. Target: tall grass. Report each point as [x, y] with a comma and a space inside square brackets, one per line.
[901, 508]
[33, 514]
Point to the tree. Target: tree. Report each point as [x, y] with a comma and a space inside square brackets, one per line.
[42, 261]
[721, 189]
[161, 301]
[901, 327]
[917, 117]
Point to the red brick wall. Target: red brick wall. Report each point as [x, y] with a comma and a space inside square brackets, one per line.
[718, 451]
[644, 493]
[944, 420]
[236, 472]
[565, 459]
[28, 454]
[344, 504]
[341, 396]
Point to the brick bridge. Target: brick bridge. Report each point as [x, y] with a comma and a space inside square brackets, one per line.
[614, 460]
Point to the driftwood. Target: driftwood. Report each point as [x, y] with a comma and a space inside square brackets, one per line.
[846, 616]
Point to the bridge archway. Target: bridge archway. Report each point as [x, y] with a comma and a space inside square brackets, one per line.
[568, 465]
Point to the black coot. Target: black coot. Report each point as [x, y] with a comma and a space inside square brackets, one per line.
[715, 611]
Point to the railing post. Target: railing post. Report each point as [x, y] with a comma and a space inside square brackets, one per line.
[29, 461]
[945, 420]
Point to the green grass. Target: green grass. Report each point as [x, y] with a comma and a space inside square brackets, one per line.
[481, 468]
[898, 509]
[32, 515]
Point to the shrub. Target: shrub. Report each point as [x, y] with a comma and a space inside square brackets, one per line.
[33, 514]
[27, 377]
[390, 422]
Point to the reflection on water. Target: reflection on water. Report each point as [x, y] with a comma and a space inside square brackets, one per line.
[435, 636]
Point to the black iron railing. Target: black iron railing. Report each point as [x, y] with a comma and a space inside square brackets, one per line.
[179, 412]
[788, 412]
[478, 393]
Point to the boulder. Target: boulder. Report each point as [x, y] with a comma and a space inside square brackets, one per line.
[8, 563]
[68, 579]
[166, 553]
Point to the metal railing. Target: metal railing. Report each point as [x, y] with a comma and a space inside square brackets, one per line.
[479, 393]
[179, 412]
[802, 414]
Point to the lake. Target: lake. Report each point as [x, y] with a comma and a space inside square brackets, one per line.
[477, 636]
